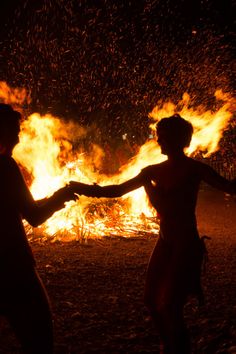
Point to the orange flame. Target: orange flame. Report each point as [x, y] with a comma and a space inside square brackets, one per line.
[46, 152]
[13, 96]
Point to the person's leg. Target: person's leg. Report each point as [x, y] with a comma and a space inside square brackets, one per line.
[165, 298]
[30, 317]
[172, 329]
[176, 335]
[154, 292]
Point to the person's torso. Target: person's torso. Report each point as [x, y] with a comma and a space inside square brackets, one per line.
[174, 195]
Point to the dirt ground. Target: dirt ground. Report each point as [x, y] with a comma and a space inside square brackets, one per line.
[96, 290]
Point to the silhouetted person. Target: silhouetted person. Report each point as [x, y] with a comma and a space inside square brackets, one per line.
[23, 299]
[175, 265]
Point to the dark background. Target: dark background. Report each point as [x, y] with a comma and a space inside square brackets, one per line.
[108, 63]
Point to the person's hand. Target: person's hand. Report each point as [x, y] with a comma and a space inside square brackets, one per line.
[90, 190]
[64, 194]
[77, 187]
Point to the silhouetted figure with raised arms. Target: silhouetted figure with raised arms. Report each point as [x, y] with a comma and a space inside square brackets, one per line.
[23, 299]
[174, 268]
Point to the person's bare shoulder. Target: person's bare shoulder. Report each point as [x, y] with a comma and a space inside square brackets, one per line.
[194, 163]
[199, 168]
[197, 164]
[152, 168]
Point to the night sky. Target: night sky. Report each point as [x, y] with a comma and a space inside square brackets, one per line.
[108, 63]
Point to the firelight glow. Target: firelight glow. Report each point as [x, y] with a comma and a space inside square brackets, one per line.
[46, 154]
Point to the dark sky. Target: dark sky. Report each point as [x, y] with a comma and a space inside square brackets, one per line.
[111, 61]
[178, 12]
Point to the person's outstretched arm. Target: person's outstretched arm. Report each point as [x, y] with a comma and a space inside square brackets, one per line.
[214, 179]
[19, 196]
[37, 212]
[110, 191]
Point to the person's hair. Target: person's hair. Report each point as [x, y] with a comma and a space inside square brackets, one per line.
[176, 130]
[8, 118]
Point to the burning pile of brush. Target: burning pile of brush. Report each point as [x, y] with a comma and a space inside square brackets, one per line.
[49, 161]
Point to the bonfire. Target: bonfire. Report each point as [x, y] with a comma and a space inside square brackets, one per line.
[49, 161]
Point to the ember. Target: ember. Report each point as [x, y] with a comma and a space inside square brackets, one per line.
[46, 154]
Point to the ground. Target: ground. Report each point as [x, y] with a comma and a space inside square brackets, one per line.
[96, 290]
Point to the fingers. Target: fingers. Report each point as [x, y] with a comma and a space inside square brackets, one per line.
[77, 187]
[65, 194]
[73, 183]
[70, 194]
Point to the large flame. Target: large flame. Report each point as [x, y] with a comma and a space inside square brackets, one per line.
[46, 152]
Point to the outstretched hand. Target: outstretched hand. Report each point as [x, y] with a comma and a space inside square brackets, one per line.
[77, 187]
[64, 194]
[90, 190]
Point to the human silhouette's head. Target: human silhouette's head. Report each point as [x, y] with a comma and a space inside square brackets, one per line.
[9, 128]
[173, 134]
